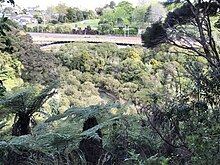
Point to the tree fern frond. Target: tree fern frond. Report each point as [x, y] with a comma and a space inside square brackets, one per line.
[42, 97]
[92, 132]
[14, 103]
[27, 100]
[50, 142]
[84, 113]
[17, 144]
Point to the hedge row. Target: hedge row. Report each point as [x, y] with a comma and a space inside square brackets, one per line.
[50, 29]
[70, 30]
[132, 31]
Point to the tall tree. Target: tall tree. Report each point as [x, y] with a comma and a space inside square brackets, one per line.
[121, 16]
[112, 4]
[138, 16]
[189, 27]
[71, 14]
[24, 104]
[79, 14]
[91, 14]
[108, 16]
[50, 13]
[61, 10]
[127, 6]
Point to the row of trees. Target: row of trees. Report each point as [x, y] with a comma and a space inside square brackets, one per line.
[63, 13]
[112, 15]
[125, 14]
[121, 14]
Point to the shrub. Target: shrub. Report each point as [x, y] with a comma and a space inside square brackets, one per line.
[50, 29]
[105, 29]
[154, 35]
[120, 31]
[54, 21]
[58, 29]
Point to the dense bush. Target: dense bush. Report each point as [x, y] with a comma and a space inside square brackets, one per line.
[50, 29]
[105, 29]
[36, 63]
[93, 74]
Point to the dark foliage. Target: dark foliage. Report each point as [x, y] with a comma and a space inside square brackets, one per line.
[154, 35]
[39, 67]
[72, 14]
[54, 21]
[211, 8]
[184, 14]
[180, 15]
[87, 30]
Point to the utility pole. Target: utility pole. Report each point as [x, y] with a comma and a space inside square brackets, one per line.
[128, 31]
[125, 31]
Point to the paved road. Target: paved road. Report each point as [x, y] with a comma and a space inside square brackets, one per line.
[43, 38]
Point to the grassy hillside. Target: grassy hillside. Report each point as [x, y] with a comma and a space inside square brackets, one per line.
[92, 22]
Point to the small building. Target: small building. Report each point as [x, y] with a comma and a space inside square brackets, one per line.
[24, 19]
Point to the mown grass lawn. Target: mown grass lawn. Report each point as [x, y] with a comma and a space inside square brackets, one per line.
[93, 23]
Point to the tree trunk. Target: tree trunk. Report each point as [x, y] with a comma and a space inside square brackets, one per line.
[91, 148]
[21, 125]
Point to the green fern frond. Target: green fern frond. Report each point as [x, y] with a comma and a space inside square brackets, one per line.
[39, 100]
[14, 103]
[91, 133]
[50, 142]
[84, 113]
[17, 144]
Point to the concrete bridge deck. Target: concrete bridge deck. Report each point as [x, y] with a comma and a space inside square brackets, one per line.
[50, 38]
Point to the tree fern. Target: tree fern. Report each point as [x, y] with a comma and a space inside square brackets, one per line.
[23, 104]
[59, 143]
